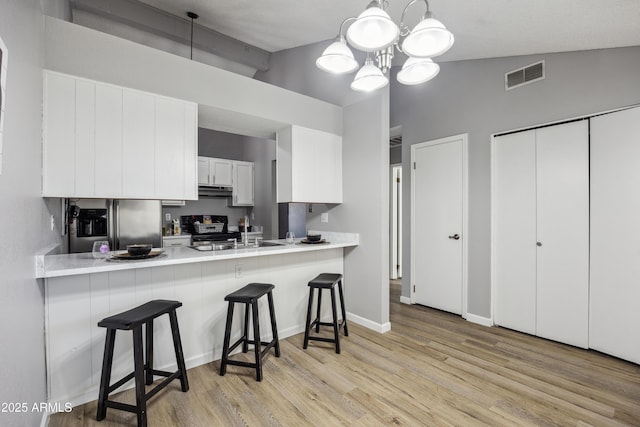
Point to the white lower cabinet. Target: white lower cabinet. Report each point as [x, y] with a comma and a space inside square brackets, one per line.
[541, 232]
[178, 240]
[615, 234]
[102, 140]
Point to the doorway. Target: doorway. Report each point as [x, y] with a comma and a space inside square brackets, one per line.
[439, 223]
[395, 223]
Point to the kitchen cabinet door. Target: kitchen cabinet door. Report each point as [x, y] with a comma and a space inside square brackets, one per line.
[170, 140]
[59, 135]
[190, 180]
[615, 234]
[221, 172]
[309, 166]
[85, 139]
[138, 144]
[204, 171]
[243, 175]
[108, 142]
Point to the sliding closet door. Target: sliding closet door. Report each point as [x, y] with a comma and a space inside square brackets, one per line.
[514, 231]
[562, 181]
[615, 234]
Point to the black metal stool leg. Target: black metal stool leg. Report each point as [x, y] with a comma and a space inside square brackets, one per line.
[344, 311]
[138, 360]
[227, 337]
[334, 312]
[245, 330]
[308, 322]
[256, 340]
[274, 328]
[105, 378]
[149, 353]
[177, 345]
[318, 314]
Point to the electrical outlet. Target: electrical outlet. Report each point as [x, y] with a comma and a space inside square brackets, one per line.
[53, 223]
[324, 217]
[239, 270]
[167, 217]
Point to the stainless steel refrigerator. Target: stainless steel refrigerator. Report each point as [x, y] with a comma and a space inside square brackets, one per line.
[127, 222]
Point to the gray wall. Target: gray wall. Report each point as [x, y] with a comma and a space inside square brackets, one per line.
[24, 214]
[469, 97]
[365, 165]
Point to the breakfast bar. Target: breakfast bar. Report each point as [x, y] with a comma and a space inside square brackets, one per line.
[79, 291]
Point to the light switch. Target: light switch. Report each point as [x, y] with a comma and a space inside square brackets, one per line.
[324, 217]
[167, 217]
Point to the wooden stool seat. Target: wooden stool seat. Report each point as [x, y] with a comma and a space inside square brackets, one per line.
[326, 281]
[143, 372]
[249, 296]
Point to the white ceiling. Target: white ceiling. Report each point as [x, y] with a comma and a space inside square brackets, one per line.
[482, 29]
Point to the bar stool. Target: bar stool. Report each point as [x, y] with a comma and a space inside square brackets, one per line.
[321, 282]
[143, 373]
[249, 296]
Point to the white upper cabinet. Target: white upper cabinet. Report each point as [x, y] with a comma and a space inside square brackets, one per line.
[243, 173]
[309, 166]
[102, 140]
[215, 172]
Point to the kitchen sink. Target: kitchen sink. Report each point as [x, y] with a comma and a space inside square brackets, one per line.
[221, 246]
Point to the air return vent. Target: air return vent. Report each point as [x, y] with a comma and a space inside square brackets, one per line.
[525, 75]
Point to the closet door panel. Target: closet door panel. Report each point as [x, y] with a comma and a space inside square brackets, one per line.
[562, 181]
[615, 234]
[514, 236]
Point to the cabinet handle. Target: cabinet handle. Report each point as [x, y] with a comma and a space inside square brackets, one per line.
[455, 237]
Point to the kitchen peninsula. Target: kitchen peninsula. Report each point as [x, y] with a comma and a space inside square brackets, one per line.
[80, 291]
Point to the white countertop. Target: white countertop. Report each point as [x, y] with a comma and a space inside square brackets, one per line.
[84, 263]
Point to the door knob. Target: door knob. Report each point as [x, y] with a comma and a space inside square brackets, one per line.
[455, 237]
[538, 243]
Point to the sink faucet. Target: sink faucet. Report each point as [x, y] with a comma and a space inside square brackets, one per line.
[245, 239]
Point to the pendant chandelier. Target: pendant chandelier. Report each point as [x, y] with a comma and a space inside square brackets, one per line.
[375, 33]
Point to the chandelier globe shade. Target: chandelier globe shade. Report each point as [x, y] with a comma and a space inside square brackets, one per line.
[373, 30]
[369, 78]
[417, 70]
[428, 38]
[337, 58]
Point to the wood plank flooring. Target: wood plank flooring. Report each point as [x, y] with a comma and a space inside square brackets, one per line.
[431, 369]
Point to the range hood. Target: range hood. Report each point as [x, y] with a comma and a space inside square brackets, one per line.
[208, 191]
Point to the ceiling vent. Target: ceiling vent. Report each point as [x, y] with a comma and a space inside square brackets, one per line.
[523, 76]
[396, 141]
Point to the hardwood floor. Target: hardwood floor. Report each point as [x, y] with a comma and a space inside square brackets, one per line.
[432, 369]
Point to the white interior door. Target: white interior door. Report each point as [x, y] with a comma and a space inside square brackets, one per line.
[439, 201]
[615, 234]
[562, 294]
[514, 231]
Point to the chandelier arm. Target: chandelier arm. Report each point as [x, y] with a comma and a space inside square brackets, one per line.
[351, 18]
[403, 26]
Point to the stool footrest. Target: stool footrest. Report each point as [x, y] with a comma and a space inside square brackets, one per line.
[121, 406]
[332, 340]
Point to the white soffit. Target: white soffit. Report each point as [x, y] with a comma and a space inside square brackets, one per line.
[483, 29]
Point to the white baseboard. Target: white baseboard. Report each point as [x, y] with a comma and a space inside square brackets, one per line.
[378, 327]
[405, 300]
[484, 321]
